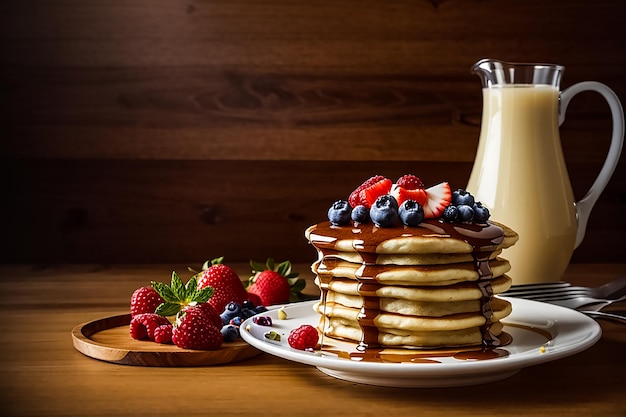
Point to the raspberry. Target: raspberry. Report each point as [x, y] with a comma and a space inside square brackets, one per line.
[303, 337]
[163, 333]
[410, 182]
[142, 326]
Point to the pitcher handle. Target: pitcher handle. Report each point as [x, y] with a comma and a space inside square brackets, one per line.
[584, 206]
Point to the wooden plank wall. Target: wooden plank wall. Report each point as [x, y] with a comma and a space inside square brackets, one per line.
[177, 131]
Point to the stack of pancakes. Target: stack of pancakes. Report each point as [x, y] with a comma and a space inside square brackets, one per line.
[420, 287]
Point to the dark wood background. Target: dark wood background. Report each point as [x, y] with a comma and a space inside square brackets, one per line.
[177, 131]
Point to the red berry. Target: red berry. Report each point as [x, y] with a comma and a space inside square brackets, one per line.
[271, 287]
[402, 194]
[193, 330]
[371, 193]
[144, 300]
[410, 182]
[143, 325]
[439, 197]
[303, 337]
[163, 333]
[226, 284]
[254, 299]
[211, 313]
[273, 283]
[355, 198]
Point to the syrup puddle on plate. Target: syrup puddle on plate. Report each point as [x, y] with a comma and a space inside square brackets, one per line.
[430, 356]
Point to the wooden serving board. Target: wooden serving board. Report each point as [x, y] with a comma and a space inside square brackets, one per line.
[108, 339]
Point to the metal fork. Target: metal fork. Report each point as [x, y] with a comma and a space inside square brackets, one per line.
[610, 290]
[578, 298]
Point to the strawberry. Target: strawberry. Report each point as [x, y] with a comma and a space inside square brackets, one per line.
[143, 325]
[367, 193]
[144, 300]
[193, 330]
[402, 194]
[211, 313]
[254, 299]
[371, 193]
[439, 197]
[410, 182]
[303, 337]
[274, 284]
[225, 282]
[271, 287]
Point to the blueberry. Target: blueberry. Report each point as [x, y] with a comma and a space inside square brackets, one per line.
[246, 313]
[339, 213]
[230, 333]
[260, 309]
[466, 213]
[236, 321]
[450, 213]
[384, 211]
[461, 197]
[360, 214]
[481, 213]
[411, 213]
[227, 317]
[233, 308]
[248, 304]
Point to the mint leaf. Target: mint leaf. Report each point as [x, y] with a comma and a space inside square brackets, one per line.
[168, 309]
[191, 289]
[204, 294]
[178, 288]
[164, 291]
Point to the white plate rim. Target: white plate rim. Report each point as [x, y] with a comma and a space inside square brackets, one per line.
[576, 332]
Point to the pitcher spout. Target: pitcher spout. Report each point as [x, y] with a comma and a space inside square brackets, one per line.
[494, 73]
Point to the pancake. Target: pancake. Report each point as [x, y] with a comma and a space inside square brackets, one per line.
[433, 237]
[423, 259]
[412, 274]
[345, 330]
[384, 320]
[433, 283]
[451, 293]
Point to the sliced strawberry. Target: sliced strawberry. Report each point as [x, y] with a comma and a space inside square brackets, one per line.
[371, 193]
[355, 197]
[402, 194]
[410, 182]
[439, 197]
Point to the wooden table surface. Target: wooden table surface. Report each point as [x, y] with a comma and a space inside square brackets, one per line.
[42, 374]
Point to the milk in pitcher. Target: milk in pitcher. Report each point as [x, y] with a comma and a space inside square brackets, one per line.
[520, 174]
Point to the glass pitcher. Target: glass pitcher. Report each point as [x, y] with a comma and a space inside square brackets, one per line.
[519, 172]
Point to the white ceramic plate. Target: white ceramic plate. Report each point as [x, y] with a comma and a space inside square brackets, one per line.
[541, 333]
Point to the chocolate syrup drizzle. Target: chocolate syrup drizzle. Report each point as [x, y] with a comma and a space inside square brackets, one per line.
[483, 238]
